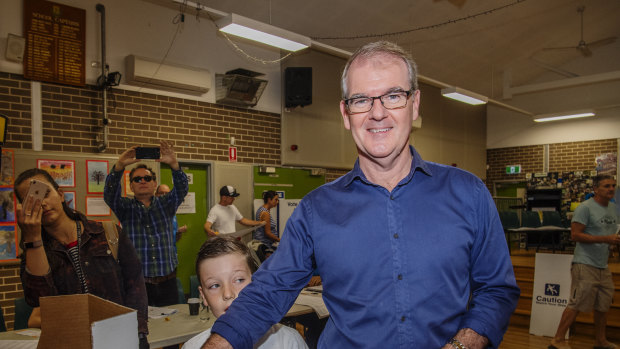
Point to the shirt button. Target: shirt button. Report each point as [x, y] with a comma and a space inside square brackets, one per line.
[395, 236]
[153, 257]
[152, 245]
[391, 197]
[86, 263]
[400, 276]
[108, 252]
[402, 319]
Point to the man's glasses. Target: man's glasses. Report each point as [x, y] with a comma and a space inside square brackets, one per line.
[392, 100]
[138, 179]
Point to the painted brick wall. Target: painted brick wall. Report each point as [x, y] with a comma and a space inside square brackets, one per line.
[563, 157]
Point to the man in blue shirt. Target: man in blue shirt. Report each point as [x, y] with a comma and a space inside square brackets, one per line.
[147, 219]
[412, 254]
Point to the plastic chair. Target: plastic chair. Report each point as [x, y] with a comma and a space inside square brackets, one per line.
[531, 219]
[552, 218]
[510, 220]
[22, 313]
[193, 287]
[181, 292]
[2, 324]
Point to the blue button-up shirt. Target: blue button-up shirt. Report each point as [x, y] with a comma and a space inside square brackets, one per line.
[398, 267]
[149, 228]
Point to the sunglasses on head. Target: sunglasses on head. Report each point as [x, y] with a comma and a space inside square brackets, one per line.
[138, 179]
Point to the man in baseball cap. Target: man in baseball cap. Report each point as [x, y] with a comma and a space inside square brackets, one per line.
[222, 216]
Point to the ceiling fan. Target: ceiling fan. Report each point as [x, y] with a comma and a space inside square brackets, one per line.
[582, 46]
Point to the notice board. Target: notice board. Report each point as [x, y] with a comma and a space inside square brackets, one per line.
[55, 42]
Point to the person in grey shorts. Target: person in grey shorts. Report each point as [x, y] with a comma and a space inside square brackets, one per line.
[593, 227]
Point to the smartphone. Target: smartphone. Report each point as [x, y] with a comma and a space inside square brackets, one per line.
[38, 190]
[147, 153]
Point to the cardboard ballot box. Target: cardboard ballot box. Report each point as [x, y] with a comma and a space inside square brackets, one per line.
[84, 321]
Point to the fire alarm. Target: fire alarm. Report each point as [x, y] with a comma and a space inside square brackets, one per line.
[294, 147]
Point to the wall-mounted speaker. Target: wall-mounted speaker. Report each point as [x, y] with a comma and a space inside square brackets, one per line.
[15, 46]
[297, 86]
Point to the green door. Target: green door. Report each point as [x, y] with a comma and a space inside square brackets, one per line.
[188, 246]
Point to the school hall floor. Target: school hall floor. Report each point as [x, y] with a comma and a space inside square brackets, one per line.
[582, 337]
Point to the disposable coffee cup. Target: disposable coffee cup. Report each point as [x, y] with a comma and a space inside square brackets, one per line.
[194, 306]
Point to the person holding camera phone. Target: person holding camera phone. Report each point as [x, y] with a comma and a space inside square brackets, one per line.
[65, 253]
[148, 219]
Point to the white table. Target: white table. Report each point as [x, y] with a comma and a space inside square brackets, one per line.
[181, 326]
[176, 328]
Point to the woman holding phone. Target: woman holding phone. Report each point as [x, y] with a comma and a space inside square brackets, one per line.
[65, 253]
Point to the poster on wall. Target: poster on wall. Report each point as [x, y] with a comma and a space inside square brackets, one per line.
[606, 164]
[63, 171]
[96, 172]
[8, 243]
[7, 168]
[70, 199]
[127, 185]
[7, 205]
[188, 205]
[95, 206]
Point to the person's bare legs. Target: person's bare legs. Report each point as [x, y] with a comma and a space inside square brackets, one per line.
[568, 317]
[600, 324]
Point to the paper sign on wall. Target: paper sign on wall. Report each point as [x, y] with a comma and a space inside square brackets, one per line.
[189, 204]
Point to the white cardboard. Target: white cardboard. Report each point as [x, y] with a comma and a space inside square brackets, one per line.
[118, 332]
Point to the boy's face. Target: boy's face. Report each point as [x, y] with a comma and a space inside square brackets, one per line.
[222, 278]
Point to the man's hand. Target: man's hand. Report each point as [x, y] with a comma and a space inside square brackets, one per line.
[127, 158]
[470, 339]
[315, 281]
[168, 156]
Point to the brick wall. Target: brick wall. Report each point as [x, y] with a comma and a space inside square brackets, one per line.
[199, 130]
[10, 288]
[563, 157]
[576, 156]
[529, 157]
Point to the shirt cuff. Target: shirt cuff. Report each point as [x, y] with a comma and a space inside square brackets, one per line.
[236, 339]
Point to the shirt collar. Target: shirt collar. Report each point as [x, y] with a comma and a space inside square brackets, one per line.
[416, 163]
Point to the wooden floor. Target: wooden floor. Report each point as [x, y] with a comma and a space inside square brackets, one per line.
[518, 337]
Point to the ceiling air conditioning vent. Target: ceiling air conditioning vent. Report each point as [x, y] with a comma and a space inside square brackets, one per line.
[239, 87]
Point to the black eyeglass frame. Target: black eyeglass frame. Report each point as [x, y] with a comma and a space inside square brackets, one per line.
[408, 94]
[138, 179]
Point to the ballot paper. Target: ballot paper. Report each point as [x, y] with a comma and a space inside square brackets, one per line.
[157, 312]
[318, 288]
[314, 300]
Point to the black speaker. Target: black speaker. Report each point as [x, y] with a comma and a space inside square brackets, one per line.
[297, 86]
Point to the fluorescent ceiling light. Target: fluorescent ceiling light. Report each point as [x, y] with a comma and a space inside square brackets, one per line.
[267, 34]
[564, 116]
[464, 96]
